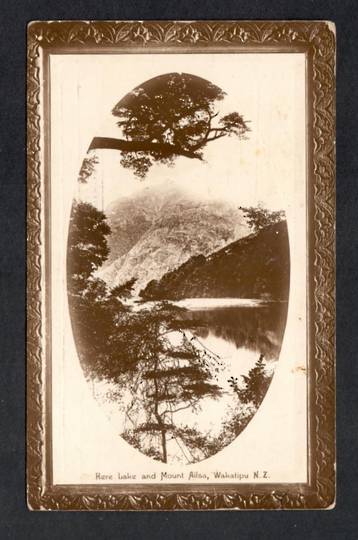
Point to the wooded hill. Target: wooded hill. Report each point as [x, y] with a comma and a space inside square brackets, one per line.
[256, 266]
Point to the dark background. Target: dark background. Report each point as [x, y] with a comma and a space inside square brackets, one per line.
[15, 520]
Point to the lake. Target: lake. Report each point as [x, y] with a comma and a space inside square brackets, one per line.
[238, 331]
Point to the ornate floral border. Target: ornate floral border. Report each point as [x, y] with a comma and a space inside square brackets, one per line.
[317, 40]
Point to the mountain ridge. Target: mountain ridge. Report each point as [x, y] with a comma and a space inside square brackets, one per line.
[158, 229]
[255, 266]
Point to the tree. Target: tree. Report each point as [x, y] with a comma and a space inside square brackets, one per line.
[169, 378]
[87, 168]
[124, 290]
[256, 384]
[166, 117]
[95, 310]
[87, 246]
[259, 218]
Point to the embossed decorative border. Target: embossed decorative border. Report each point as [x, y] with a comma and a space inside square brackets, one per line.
[317, 41]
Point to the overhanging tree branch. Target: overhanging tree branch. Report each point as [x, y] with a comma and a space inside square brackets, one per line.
[167, 117]
[164, 149]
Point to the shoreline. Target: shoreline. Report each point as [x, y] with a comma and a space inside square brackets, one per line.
[197, 304]
[217, 303]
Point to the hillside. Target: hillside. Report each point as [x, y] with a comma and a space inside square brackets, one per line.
[159, 229]
[256, 266]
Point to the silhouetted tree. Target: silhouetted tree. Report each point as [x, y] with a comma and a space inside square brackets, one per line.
[256, 384]
[170, 378]
[95, 310]
[87, 246]
[124, 290]
[169, 116]
[87, 168]
[259, 217]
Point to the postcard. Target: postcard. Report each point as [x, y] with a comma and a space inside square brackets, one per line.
[181, 265]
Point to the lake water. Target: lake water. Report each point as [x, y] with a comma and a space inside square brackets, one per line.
[252, 326]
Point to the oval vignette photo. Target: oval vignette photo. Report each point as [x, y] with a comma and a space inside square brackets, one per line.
[177, 290]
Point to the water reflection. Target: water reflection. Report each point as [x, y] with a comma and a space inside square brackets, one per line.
[258, 329]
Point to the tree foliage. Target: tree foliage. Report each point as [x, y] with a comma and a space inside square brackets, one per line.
[87, 168]
[169, 116]
[259, 218]
[171, 377]
[87, 241]
[93, 307]
[256, 384]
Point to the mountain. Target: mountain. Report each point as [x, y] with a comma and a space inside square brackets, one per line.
[256, 266]
[158, 229]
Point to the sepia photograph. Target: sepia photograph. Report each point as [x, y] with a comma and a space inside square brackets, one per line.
[177, 293]
[184, 285]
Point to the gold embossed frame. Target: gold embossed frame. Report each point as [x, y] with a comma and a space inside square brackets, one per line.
[316, 41]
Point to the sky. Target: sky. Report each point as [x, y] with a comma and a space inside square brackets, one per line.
[267, 89]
